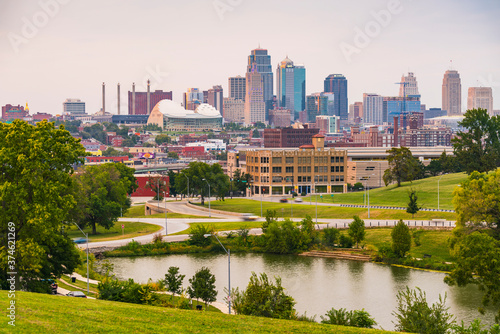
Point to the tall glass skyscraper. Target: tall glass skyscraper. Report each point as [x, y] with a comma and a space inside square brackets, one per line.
[263, 61]
[291, 87]
[337, 84]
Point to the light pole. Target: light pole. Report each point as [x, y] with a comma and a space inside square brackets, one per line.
[188, 185]
[209, 214]
[87, 237]
[438, 188]
[261, 202]
[228, 251]
[166, 227]
[316, 195]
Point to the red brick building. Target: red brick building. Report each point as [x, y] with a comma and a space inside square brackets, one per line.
[288, 137]
[10, 112]
[141, 101]
[144, 190]
[191, 138]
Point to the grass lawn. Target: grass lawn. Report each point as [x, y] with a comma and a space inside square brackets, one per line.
[301, 210]
[138, 212]
[225, 226]
[79, 283]
[41, 313]
[131, 230]
[393, 196]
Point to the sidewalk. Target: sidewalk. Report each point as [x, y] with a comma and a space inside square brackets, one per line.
[81, 278]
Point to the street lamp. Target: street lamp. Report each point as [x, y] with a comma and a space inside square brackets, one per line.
[438, 188]
[166, 227]
[187, 195]
[316, 195]
[228, 251]
[209, 214]
[87, 237]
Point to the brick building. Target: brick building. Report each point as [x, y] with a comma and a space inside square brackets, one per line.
[10, 112]
[288, 137]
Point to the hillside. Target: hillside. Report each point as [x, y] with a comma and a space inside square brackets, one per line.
[40, 313]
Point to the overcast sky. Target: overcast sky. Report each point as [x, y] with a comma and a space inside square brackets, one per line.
[52, 52]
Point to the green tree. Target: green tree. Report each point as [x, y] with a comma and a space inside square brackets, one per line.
[173, 155]
[478, 147]
[331, 236]
[203, 286]
[342, 317]
[158, 184]
[160, 139]
[173, 280]
[112, 152]
[403, 166]
[412, 207]
[241, 180]
[401, 239]
[357, 230]
[413, 314]
[197, 235]
[103, 196]
[127, 177]
[35, 198]
[172, 176]
[263, 298]
[255, 134]
[96, 131]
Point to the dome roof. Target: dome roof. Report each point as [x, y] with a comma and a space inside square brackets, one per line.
[286, 62]
[172, 109]
[207, 110]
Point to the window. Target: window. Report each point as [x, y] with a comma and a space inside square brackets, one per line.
[264, 160]
[289, 160]
[342, 159]
[341, 169]
[289, 169]
[299, 178]
[276, 160]
[264, 169]
[277, 179]
[316, 169]
[276, 169]
[309, 169]
[300, 168]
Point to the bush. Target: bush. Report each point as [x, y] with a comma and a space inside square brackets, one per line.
[401, 239]
[157, 238]
[345, 241]
[416, 234]
[330, 236]
[474, 328]
[342, 317]
[197, 235]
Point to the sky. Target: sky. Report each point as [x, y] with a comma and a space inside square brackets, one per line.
[51, 50]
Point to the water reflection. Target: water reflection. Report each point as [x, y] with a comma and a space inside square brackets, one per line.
[316, 284]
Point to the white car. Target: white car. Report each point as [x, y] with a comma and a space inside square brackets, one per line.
[298, 199]
[248, 216]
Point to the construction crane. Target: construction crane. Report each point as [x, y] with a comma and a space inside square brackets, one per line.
[404, 94]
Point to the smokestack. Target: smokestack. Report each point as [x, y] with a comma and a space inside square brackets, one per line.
[149, 100]
[103, 98]
[118, 98]
[396, 132]
[133, 98]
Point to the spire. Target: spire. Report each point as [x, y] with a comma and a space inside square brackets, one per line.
[27, 108]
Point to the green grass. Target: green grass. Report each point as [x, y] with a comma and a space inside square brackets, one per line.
[79, 283]
[138, 212]
[131, 230]
[224, 226]
[301, 210]
[394, 196]
[41, 313]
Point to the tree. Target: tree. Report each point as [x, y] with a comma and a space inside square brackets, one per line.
[103, 196]
[173, 280]
[203, 286]
[160, 139]
[357, 230]
[255, 134]
[112, 152]
[331, 236]
[478, 148]
[263, 298]
[127, 177]
[173, 155]
[241, 180]
[36, 164]
[342, 317]
[401, 239]
[413, 314]
[412, 207]
[403, 166]
[171, 182]
[159, 185]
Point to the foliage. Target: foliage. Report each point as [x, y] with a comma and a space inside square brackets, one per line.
[71, 126]
[416, 234]
[358, 186]
[173, 155]
[401, 239]
[356, 318]
[203, 286]
[259, 125]
[413, 314]
[345, 241]
[36, 163]
[478, 147]
[159, 185]
[243, 234]
[241, 180]
[403, 166]
[263, 298]
[126, 291]
[357, 230]
[412, 207]
[173, 280]
[271, 217]
[103, 196]
[197, 235]
[152, 127]
[330, 236]
[112, 152]
[255, 134]
[97, 132]
[475, 327]
[287, 238]
[127, 177]
[160, 139]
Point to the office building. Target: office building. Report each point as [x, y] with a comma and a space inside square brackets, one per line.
[291, 87]
[193, 98]
[320, 104]
[263, 63]
[373, 109]
[237, 87]
[337, 84]
[216, 98]
[452, 93]
[327, 124]
[408, 85]
[234, 110]
[480, 97]
[396, 105]
[280, 118]
[255, 106]
[288, 137]
[73, 107]
[356, 112]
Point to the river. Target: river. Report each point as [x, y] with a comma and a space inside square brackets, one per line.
[316, 284]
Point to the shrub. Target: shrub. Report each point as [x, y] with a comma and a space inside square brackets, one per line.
[345, 241]
[157, 238]
[197, 235]
[330, 236]
[342, 317]
[416, 234]
[401, 239]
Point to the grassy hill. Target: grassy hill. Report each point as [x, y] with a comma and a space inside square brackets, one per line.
[40, 313]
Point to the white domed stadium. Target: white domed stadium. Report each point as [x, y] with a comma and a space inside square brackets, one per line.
[172, 116]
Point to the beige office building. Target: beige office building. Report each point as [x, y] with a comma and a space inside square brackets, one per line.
[309, 168]
[480, 97]
[452, 93]
[234, 110]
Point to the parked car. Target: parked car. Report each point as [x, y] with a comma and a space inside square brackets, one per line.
[79, 240]
[298, 199]
[248, 216]
[76, 294]
[284, 200]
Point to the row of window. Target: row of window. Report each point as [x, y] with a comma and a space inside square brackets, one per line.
[301, 160]
[302, 169]
[303, 178]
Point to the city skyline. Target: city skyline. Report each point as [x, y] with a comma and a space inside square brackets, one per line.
[372, 43]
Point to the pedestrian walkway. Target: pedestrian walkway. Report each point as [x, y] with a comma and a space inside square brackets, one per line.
[81, 278]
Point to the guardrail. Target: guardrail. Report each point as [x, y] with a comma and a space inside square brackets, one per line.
[388, 207]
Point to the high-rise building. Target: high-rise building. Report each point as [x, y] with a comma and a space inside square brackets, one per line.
[396, 105]
[263, 62]
[373, 109]
[480, 97]
[291, 86]
[327, 124]
[452, 93]
[234, 110]
[216, 98]
[73, 107]
[408, 85]
[356, 112]
[337, 84]
[193, 98]
[141, 101]
[317, 105]
[255, 107]
[237, 87]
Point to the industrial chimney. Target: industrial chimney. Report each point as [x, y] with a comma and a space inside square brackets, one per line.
[133, 98]
[149, 99]
[118, 98]
[103, 98]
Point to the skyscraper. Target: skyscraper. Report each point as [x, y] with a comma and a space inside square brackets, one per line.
[263, 62]
[337, 84]
[480, 97]
[452, 93]
[216, 98]
[291, 87]
[373, 108]
[237, 87]
[74, 107]
[255, 107]
[408, 85]
[193, 98]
